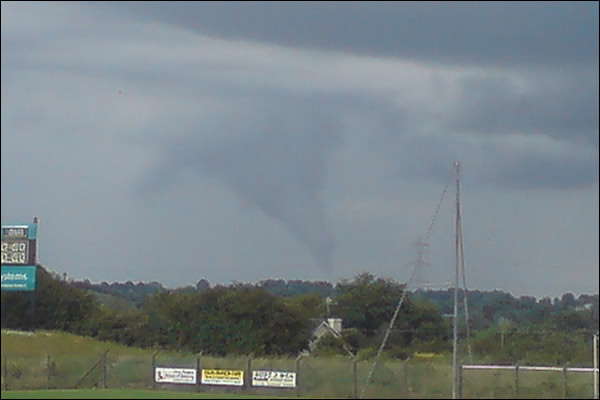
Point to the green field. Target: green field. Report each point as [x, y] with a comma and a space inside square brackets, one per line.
[31, 363]
[118, 394]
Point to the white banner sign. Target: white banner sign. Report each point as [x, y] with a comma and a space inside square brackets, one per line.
[175, 375]
[280, 379]
[226, 377]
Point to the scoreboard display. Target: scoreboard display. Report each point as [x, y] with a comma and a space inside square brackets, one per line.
[16, 253]
[19, 244]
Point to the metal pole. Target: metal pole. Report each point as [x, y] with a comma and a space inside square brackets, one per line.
[36, 257]
[198, 369]
[5, 372]
[3, 314]
[32, 315]
[517, 380]
[104, 371]
[154, 368]
[460, 382]
[406, 387]
[565, 383]
[248, 380]
[298, 375]
[595, 366]
[455, 319]
[47, 371]
[354, 379]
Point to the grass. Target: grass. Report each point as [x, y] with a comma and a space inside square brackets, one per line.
[18, 343]
[58, 360]
[119, 394]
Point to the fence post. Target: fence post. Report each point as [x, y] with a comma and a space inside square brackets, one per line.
[355, 378]
[595, 364]
[47, 371]
[154, 368]
[5, 372]
[89, 371]
[198, 370]
[104, 370]
[248, 380]
[298, 375]
[405, 370]
[517, 380]
[565, 385]
[460, 382]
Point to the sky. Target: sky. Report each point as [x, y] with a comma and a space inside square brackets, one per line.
[245, 141]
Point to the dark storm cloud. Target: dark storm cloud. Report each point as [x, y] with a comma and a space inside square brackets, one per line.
[562, 107]
[273, 155]
[260, 153]
[539, 171]
[482, 33]
[516, 130]
[512, 162]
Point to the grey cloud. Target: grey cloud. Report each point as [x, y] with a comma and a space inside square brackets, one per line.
[346, 153]
[513, 162]
[563, 107]
[488, 33]
[542, 171]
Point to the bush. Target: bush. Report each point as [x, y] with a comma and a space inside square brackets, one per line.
[329, 345]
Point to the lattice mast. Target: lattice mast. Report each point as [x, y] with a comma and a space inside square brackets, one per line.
[459, 270]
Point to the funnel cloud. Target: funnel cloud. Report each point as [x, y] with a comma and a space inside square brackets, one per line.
[273, 157]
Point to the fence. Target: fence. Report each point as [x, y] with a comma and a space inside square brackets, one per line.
[319, 377]
[521, 382]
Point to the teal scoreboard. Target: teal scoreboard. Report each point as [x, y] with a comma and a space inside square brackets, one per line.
[19, 256]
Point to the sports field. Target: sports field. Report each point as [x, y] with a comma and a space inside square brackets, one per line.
[120, 394]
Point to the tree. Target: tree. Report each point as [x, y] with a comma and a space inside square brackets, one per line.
[55, 304]
[567, 301]
[240, 319]
[308, 305]
[367, 304]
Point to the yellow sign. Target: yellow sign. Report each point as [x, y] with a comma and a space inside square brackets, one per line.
[226, 377]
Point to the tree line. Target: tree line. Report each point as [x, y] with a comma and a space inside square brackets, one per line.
[277, 317]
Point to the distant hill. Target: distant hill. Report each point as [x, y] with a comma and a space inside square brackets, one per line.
[114, 294]
[113, 301]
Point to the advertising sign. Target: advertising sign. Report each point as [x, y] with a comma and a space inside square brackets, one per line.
[175, 375]
[18, 278]
[279, 379]
[225, 377]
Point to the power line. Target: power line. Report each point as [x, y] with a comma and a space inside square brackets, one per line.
[420, 262]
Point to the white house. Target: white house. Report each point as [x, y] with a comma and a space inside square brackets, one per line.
[330, 325]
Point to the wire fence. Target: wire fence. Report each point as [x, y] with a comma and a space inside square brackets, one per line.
[319, 377]
[526, 382]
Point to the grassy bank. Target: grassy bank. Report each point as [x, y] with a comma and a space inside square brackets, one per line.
[57, 360]
[117, 394]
